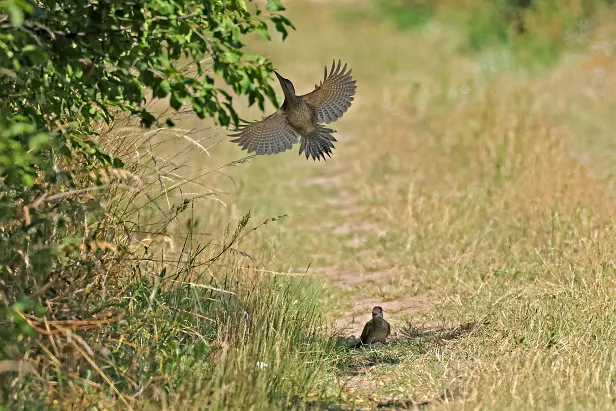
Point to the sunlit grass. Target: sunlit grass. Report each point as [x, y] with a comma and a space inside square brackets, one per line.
[460, 177]
[463, 196]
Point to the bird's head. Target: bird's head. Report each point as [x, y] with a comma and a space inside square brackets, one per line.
[377, 312]
[285, 84]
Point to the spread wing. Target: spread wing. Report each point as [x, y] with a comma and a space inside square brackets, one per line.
[333, 97]
[272, 135]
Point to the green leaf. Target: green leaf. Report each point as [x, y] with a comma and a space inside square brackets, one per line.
[163, 89]
[286, 21]
[280, 23]
[16, 14]
[117, 163]
[38, 141]
[274, 5]
[147, 77]
[263, 33]
[175, 101]
[231, 56]
[147, 119]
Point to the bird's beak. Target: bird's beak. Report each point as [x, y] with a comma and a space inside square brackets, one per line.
[286, 85]
[280, 78]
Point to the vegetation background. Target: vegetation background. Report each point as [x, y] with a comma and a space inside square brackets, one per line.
[147, 263]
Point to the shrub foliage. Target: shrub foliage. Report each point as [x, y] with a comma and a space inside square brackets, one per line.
[67, 68]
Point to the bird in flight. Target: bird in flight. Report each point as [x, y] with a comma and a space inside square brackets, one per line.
[302, 117]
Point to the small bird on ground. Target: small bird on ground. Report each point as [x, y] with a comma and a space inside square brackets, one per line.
[302, 117]
[375, 330]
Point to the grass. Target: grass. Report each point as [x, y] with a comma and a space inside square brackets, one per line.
[175, 316]
[471, 198]
[466, 187]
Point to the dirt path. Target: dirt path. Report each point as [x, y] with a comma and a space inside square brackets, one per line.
[352, 234]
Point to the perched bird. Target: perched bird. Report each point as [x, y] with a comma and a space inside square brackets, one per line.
[302, 117]
[375, 330]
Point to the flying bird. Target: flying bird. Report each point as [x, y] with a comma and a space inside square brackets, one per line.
[302, 117]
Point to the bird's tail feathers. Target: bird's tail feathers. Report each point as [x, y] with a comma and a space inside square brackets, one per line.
[317, 144]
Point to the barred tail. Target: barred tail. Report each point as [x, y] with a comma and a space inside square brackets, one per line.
[317, 144]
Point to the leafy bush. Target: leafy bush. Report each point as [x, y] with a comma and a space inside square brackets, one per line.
[70, 73]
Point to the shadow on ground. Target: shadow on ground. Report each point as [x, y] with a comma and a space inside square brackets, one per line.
[387, 404]
[411, 342]
[411, 332]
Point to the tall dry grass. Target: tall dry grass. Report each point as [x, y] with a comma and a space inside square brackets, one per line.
[488, 202]
[178, 310]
